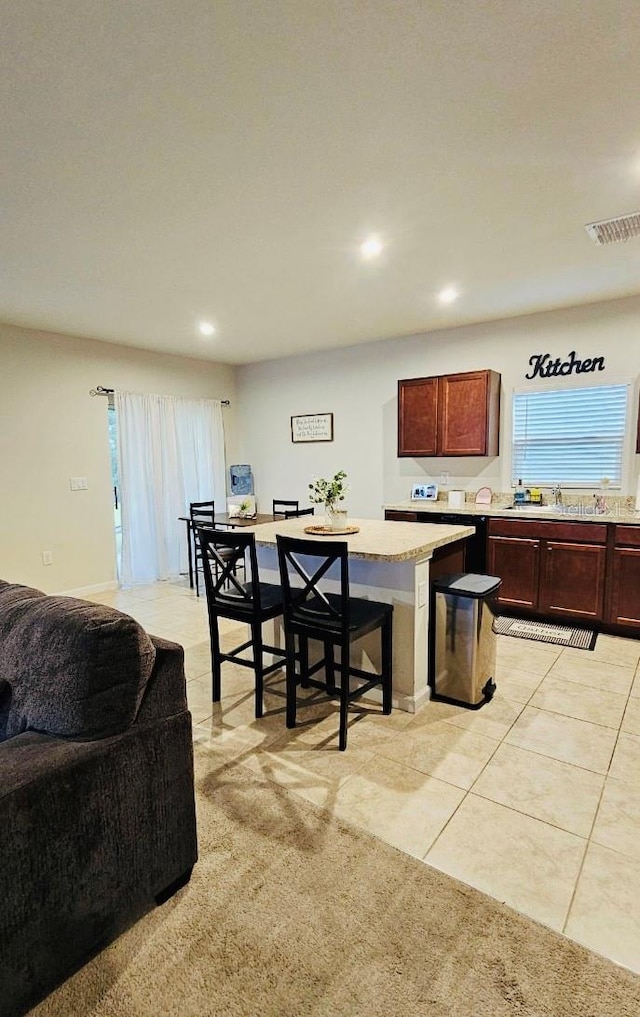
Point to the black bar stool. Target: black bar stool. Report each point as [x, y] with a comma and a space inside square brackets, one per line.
[250, 602]
[335, 619]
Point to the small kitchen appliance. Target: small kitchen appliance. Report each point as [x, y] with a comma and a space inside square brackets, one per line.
[424, 492]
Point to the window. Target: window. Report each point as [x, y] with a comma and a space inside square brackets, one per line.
[569, 436]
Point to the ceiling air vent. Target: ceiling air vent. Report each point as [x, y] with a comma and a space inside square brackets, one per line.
[610, 231]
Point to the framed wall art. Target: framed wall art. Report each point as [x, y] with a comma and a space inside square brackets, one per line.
[312, 427]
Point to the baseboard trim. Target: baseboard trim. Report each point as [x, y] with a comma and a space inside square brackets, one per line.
[410, 704]
[84, 591]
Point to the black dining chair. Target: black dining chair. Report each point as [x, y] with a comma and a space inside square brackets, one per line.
[299, 512]
[201, 512]
[334, 619]
[251, 602]
[280, 507]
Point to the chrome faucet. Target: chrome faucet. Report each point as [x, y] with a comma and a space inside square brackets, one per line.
[557, 495]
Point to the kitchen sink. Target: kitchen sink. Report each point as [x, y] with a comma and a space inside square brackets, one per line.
[530, 508]
[566, 510]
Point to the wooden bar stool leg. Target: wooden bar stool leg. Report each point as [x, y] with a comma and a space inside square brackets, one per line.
[195, 564]
[386, 633]
[344, 696]
[303, 656]
[329, 666]
[215, 660]
[291, 678]
[189, 541]
[258, 662]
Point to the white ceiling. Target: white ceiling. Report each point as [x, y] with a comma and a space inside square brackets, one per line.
[167, 161]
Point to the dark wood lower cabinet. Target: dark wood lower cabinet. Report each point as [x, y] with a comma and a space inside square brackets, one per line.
[545, 571]
[568, 571]
[625, 587]
[516, 561]
[572, 580]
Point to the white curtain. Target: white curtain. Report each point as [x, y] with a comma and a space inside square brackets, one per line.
[171, 452]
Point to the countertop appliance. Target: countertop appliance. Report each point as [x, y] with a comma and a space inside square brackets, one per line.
[424, 492]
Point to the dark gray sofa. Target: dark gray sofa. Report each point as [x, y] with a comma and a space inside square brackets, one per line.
[97, 811]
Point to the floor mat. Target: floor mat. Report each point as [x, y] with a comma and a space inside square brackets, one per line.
[544, 632]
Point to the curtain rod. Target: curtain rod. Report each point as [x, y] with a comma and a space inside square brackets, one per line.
[100, 390]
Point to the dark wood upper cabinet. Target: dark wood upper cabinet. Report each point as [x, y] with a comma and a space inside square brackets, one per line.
[449, 415]
[469, 414]
[418, 417]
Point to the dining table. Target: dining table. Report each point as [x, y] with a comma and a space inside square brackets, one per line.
[223, 521]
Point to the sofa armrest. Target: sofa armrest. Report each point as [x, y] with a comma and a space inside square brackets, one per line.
[166, 691]
[69, 807]
[90, 833]
[29, 758]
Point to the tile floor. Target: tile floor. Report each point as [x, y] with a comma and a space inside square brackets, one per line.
[534, 799]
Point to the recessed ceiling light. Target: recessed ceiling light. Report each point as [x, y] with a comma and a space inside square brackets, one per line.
[206, 328]
[371, 248]
[448, 295]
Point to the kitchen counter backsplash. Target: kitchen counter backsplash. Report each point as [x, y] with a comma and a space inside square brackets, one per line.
[617, 507]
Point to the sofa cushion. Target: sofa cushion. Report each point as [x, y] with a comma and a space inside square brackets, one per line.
[75, 669]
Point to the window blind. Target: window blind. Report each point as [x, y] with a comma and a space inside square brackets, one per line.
[569, 436]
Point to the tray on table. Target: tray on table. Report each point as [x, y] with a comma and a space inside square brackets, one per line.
[326, 531]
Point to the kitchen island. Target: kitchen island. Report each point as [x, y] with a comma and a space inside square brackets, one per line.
[391, 562]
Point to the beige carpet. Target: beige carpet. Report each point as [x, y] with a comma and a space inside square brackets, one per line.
[291, 913]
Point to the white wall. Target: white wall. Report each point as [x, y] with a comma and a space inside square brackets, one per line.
[52, 430]
[359, 386]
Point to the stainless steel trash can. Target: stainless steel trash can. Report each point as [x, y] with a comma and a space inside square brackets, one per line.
[463, 643]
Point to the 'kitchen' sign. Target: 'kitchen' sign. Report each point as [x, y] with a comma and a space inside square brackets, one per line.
[542, 366]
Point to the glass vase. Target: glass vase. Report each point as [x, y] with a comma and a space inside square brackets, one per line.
[335, 518]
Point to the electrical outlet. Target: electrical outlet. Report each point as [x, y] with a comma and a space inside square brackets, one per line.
[47, 557]
[78, 483]
[422, 594]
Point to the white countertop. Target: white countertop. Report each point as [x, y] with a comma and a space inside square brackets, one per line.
[577, 513]
[377, 540]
